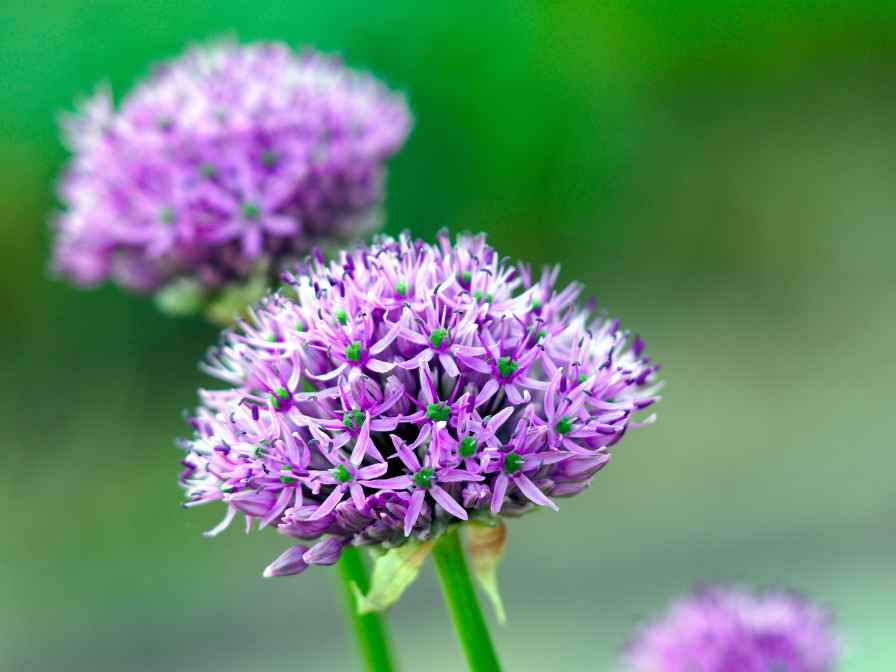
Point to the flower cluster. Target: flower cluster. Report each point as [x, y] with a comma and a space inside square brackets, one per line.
[406, 386]
[225, 160]
[726, 630]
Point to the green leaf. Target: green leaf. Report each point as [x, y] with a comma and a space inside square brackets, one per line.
[485, 545]
[180, 297]
[234, 299]
[393, 571]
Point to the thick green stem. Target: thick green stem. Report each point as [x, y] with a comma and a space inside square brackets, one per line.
[448, 557]
[370, 631]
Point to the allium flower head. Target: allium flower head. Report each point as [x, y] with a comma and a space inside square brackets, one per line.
[408, 386]
[726, 630]
[227, 159]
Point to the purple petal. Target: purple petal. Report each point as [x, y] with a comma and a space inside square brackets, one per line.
[529, 489]
[288, 563]
[223, 525]
[499, 489]
[448, 364]
[487, 392]
[328, 504]
[394, 483]
[379, 365]
[357, 493]
[325, 552]
[362, 443]
[447, 502]
[414, 509]
[386, 340]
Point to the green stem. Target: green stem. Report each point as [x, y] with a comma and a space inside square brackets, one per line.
[370, 631]
[451, 566]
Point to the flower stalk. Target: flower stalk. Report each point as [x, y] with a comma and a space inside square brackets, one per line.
[463, 605]
[370, 630]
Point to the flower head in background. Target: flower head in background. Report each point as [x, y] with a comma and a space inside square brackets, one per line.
[726, 630]
[405, 387]
[225, 162]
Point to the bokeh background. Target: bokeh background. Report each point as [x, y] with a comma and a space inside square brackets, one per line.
[721, 176]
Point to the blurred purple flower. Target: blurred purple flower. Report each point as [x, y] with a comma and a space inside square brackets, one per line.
[726, 630]
[227, 159]
[406, 386]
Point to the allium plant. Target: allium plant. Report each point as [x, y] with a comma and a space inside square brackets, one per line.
[221, 166]
[404, 387]
[723, 629]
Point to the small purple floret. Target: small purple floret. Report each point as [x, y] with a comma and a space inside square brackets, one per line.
[726, 630]
[226, 159]
[369, 415]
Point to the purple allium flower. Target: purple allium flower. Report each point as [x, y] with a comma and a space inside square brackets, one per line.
[226, 160]
[408, 386]
[721, 629]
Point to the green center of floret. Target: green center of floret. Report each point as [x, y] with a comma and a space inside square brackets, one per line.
[341, 316]
[227, 488]
[507, 366]
[564, 426]
[341, 474]
[286, 476]
[208, 170]
[582, 378]
[269, 159]
[423, 478]
[279, 394]
[466, 277]
[467, 447]
[353, 352]
[439, 412]
[536, 303]
[479, 296]
[166, 216]
[251, 211]
[353, 419]
[513, 463]
[300, 326]
[437, 337]
[401, 288]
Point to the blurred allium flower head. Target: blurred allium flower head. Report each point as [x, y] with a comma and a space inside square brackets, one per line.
[726, 630]
[228, 159]
[405, 387]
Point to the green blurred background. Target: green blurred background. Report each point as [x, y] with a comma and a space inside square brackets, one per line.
[721, 177]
